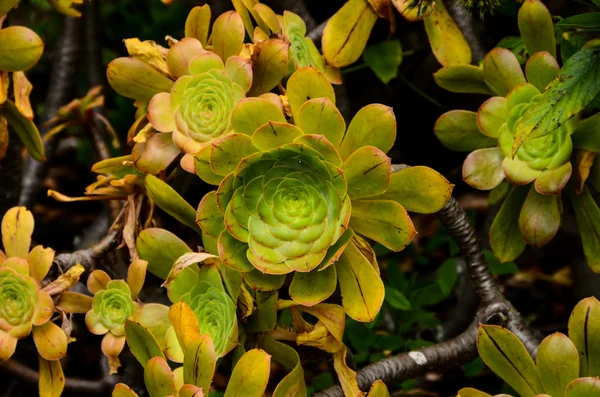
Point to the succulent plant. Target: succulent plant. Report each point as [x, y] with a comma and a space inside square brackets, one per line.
[346, 34]
[292, 196]
[20, 49]
[525, 133]
[27, 307]
[113, 304]
[565, 365]
[189, 90]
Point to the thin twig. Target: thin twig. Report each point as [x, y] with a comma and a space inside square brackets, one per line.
[88, 257]
[62, 82]
[102, 386]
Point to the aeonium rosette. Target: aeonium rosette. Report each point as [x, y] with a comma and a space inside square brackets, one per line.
[298, 197]
[26, 307]
[113, 304]
[188, 90]
[528, 170]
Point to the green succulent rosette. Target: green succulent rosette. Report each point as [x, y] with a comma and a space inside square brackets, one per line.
[187, 91]
[298, 197]
[25, 306]
[565, 365]
[529, 173]
[216, 314]
[111, 307]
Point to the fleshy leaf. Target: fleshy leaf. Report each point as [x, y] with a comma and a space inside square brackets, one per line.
[587, 134]
[252, 113]
[518, 172]
[305, 84]
[135, 79]
[20, 48]
[155, 154]
[155, 318]
[25, 129]
[504, 353]
[17, 227]
[367, 172]
[583, 387]
[50, 341]
[197, 23]
[270, 65]
[73, 302]
[457, 130]
[227, 152]
[167, 199]
[462, 79]
[183, 262]
[293, 384]
[361, 287]
[346, 34]
[313, 287]
[583, 326]
[502, 71]
[373, 125]
[379, 389]
[541, 69]
[320, 116]
[558, 363]
[228, 34]
[263, 282]
[136, 275]
[160, 248]
[250, 375]
[447, 41]
[52, 378]
[122, 390]
[264, 317]
[185, 324]
[159, 378]
[482, 168]
[553, 181]
[199, 362]
[418, 189]
[540, 218]
[40, 260]
[323, 146]
[537, 28]
[142, 343]
[180, 55]
[505, 237]
[384, 58]
[209, 217]
[588, 220]
[491, 116]
[384, 221]
[274, 134]
[239, 71]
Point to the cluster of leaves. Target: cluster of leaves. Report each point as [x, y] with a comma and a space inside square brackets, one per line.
[522, 139]
[564, 366]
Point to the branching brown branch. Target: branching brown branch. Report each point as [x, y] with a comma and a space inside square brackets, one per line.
[494, 308]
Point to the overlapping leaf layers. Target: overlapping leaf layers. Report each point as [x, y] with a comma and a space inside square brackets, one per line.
[291, 29]
[298, 197]
[347, 32]
[20, 49]
[566, 366]
[114, 303]
[25, 306]
[186, 94]
[525, 134]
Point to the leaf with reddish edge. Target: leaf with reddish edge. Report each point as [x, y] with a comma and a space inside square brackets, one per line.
[160, 248]
[537, 28]
[558, 363]
[199, 362]
[250, 375]
[141, 342]
[305, 84]
[502, 71]
[270, 61]
[184, 323]
[155, 154]
[313, 287]
[228, 35]
[122, 390]
[367, 172]
[135, 79]
[540, 218]
[482, 169]
[541, 69]
[554, 181]
[462, 79]
[458, 130]
[197, 23]
[491, 115]
[320, 116]
[518, 172]
[373, 125]
[17, 228]
[159, 379]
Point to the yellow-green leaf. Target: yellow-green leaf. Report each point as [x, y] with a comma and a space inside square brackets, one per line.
[197, 23]
[52, 379]
[135, 79]
[536, 27]
[458, 130]
[313, 287]
[367, 172]
[160, 248]
[199, 362]
[320, 117]
[588, 220]
[159, 378]
[25, 129]
[167, 199]
[558, 363]
[251, 113]
[346, 34]
[447, 41]
[122, 390]
[142, 343]
[373, 125]
[50, 341]
[462, 79]
[20, 48]
[305, 84]
[505, 238]
[293, 384]
[504, 353]
[228, 35]
[184, 323]
[584, 387]
[17, 227]
[502, 71]
[270, 65]
[584, 324]
[378, 389]
[540, 217]
[250, 376]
